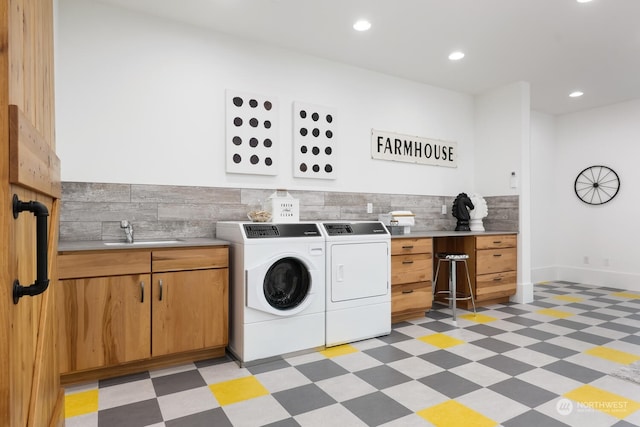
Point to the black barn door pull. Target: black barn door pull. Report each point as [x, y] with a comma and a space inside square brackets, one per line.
[42, 277]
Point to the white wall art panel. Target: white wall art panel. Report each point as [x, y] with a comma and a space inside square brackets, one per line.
[314, 141]
[251, 134]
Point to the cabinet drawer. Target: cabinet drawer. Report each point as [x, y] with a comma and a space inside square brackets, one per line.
[102, 264]
[496, 285]
[410, 297]
[411, 246]
[411, 268]
[496, 242]
[189, 259]
[495, 260]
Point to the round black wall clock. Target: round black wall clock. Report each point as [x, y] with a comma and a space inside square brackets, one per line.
[597, 185]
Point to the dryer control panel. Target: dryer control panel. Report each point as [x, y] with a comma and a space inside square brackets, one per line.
[354, 228]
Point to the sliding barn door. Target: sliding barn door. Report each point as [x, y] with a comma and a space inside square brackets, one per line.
[30, 392]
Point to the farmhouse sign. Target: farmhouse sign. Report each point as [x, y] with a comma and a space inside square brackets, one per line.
[413, 149]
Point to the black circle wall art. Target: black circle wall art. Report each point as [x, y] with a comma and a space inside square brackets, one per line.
[314, 141]
[251, 133]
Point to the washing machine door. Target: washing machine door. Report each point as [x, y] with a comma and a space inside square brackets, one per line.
[284, 286]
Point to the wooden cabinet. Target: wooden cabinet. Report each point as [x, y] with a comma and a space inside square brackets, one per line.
[106, 321]
[119, 307]
[411, 273]
[104, 304]
[495, 268]
[492, 266]
[189, 309]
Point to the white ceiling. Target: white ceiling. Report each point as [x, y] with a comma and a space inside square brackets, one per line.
[558, 46]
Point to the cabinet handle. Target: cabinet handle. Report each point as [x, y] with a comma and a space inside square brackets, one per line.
[408, 292]
[160, 296]
[497, 242]
[407, 247]
[497, 255]
[497, 279]
[407, 262]
[141, 292]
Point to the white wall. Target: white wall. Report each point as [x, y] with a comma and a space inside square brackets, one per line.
[502, 126]
[142, 100]
[606, 234]
[544, 210]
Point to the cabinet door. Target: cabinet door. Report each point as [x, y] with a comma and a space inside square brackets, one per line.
[189, 311]
[105, 321]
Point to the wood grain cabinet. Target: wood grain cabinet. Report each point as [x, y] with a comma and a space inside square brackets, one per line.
[411, 273]
[189, 308]
[104, 308]
[119, 307]
[495, 268]
[492, 266]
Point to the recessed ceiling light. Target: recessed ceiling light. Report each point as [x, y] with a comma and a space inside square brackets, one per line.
[362, 25]
[457, 55]
[576, 94]
[583, 1]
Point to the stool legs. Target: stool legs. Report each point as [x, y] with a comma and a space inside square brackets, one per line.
[452, 289]
[473, 302]
[453, 298]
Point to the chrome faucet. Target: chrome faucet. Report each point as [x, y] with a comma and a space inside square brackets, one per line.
[128, 230]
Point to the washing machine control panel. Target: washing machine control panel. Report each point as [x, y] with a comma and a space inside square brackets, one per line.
[271, 231]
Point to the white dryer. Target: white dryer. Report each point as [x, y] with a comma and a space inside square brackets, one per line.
[358, 281]
[277, 288]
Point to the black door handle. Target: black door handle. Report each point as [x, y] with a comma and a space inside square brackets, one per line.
[42, 276]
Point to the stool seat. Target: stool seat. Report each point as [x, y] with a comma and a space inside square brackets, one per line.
[453, 295]
[452, 256]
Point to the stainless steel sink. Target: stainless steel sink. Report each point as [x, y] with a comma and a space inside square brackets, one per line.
[143, 243]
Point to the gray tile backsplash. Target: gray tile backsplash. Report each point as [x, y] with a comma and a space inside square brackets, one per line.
[93, 211]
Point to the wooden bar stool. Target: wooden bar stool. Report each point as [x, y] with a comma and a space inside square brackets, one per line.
[453, 295]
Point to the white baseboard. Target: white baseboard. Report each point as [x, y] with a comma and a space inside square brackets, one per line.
[544, 274]
[608, 278]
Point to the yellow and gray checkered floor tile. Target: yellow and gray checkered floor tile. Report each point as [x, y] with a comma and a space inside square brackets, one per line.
[548, 363]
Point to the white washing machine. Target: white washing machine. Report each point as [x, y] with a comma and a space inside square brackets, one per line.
[277, 288]
[358, 281]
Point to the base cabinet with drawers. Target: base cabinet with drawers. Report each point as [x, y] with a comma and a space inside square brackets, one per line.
[495, 268]
[492, 267]
[125, 306]
[411, 275]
